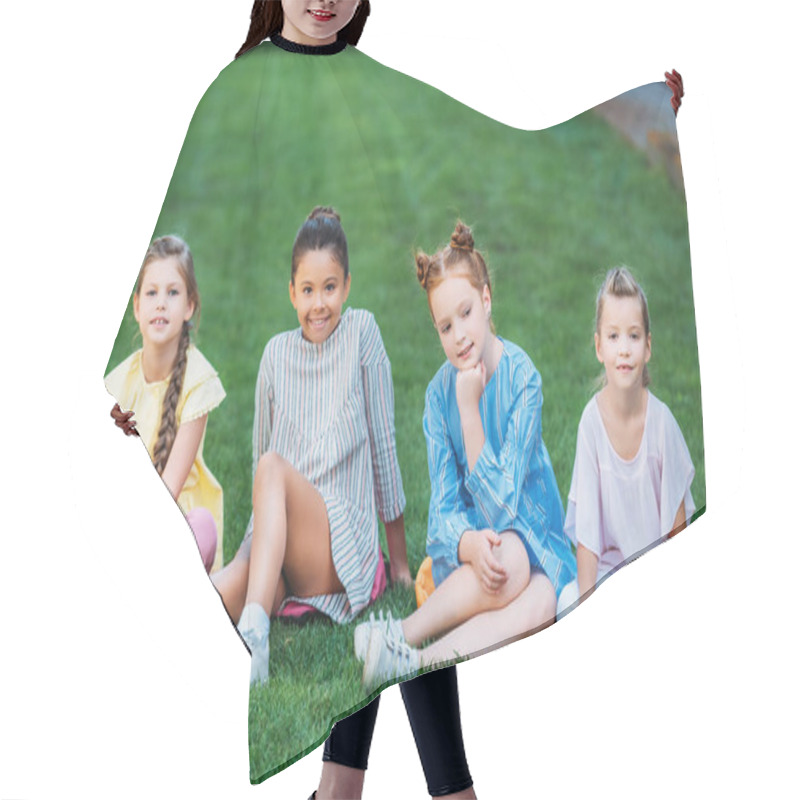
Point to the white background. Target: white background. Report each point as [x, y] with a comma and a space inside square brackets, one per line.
[121, 676]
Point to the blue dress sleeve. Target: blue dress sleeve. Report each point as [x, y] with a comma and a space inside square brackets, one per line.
[447, 514]
[497, 479]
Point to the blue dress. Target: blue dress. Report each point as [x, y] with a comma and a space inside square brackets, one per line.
[512, 486]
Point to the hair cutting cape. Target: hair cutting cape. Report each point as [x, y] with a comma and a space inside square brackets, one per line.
[280, 132]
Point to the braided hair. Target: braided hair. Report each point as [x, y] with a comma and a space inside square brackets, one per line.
[266, 19]
[172, 247]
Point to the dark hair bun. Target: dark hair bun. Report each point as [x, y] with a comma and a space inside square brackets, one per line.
[462, 237]
[325, 211]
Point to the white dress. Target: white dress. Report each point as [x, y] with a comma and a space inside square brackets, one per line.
[619, 508]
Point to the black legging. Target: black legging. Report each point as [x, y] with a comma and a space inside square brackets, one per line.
[432, 706]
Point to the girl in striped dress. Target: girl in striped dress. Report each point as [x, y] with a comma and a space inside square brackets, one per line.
[495, 523]
[324, 457]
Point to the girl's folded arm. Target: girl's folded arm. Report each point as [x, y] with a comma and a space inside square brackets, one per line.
[398, 555]
[202, 398]
[677, 474]
[497, 479]
[680, 521]
[183, 453]
[584, 523]
[447, 515]
[587, 569]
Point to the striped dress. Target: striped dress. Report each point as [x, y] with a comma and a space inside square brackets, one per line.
[511, 487]
[328, 409]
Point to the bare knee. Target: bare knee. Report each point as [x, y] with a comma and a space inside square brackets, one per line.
[231, 583]
[539, 601]
[514, 559]
[270, 472]
[271, 464]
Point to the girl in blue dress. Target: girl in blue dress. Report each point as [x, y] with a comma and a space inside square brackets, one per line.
[495, 523]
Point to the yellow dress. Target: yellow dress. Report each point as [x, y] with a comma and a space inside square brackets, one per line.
[202, 392]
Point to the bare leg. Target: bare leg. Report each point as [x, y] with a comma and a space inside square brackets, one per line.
[535, 606]
[462, 596]
[347, 783]
[339, 782]
[291, 535]
[231, 583]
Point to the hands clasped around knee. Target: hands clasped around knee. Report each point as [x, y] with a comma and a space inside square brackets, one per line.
[499, 562]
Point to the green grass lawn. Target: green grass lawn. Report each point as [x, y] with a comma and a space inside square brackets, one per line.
[551, 213]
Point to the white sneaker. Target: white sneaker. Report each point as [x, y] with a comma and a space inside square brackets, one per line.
[388, 659]
[254, 629]
[389, 625]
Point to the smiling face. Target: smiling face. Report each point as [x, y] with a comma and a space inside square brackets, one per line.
[461, 315]
[622, 343]
[162, 304]
[315, 22]
[318, 292]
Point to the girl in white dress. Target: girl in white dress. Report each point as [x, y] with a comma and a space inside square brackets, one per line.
[632, 475]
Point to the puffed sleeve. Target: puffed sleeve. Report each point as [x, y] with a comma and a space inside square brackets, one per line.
[203, 390]
[497, 478]
[584, 523]
[376, 375]
[447, 514]
[677, 474]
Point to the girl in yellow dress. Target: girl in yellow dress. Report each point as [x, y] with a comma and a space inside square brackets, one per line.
[167, 388]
